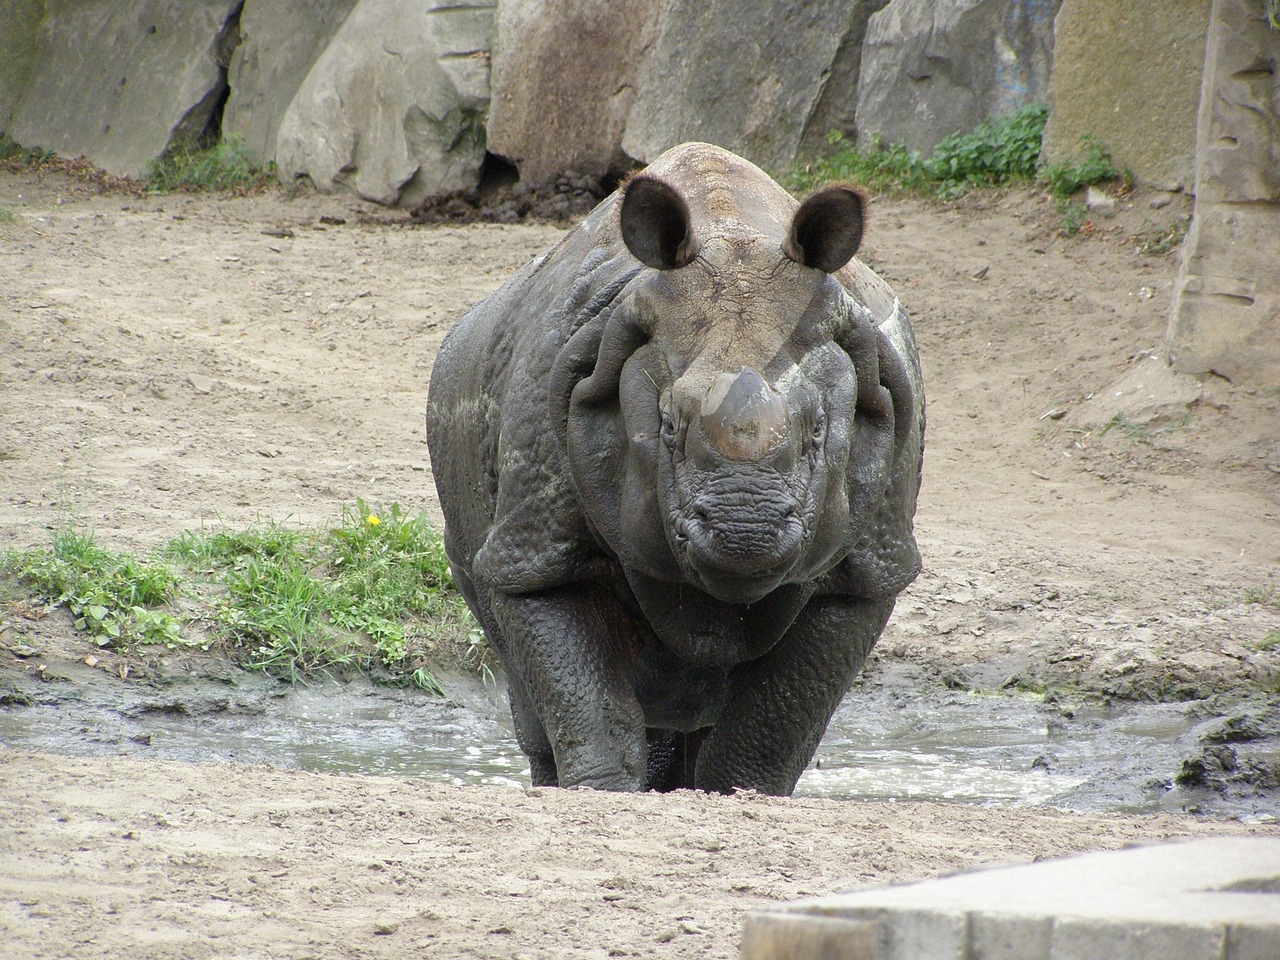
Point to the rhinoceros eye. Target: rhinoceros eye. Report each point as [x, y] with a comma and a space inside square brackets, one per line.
[819, 431]
[668, 430]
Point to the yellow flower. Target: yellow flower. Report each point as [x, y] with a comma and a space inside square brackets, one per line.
[371, 520]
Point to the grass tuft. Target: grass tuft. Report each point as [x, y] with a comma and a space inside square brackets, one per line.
[13, 154]
[995, 152]
[226, 165]
[373, 592]
[112, 596]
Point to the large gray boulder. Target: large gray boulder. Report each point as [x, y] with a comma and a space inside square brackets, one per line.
[119, 81]
[19, 24]
[746, 80]
[280, 41]
[564, 80]
[393, 110]
[1226, 308]
[936, 67]
[837, 106]
[1128, 75]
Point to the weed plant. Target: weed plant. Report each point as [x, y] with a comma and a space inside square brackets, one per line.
[14, 154]
[373, 592]
[996, 152]
[1157, 241]
[112, 596]
[226, 165]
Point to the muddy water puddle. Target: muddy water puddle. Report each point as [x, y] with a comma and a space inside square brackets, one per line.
[882, 744]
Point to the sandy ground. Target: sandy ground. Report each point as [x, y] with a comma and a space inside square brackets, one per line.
[167, 362]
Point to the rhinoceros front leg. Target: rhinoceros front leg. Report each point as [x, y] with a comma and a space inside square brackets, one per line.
[573, 650]
[779, 705]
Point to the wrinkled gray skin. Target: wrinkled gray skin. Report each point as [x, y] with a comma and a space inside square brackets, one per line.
[678, 457]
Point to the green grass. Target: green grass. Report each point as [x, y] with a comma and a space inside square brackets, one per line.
[226, 165]
[372, 592]
[1157, 241]
[995, 152]
[7, 215]
[113, 597]
[14, 153]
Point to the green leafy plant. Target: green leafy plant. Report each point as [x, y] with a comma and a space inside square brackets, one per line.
[113, 597]
[225, 165]
[996, 151]
[1093, 166]
[13, 153]
[374, 591]
[1071, 217]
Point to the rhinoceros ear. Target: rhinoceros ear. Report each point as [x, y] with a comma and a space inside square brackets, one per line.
[656, 225]
[827, 229]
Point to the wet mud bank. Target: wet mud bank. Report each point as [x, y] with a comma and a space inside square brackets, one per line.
[891, 739]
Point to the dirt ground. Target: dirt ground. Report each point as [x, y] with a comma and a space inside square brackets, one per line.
[1090, 525]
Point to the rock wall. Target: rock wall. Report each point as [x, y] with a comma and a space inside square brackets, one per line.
[280, 41]
[564, 80]
[21, 19]
[1128, 74]
[746, 82]
[769, 85]
[936, 67]
[119, 82]
[394, 107]
[1226, 308]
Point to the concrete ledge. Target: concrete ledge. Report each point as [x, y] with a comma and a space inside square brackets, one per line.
[1213, 899]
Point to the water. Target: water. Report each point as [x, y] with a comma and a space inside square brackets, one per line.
[881, 745]
[1008, 750]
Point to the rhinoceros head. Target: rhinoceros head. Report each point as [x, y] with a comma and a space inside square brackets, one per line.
[737, 427]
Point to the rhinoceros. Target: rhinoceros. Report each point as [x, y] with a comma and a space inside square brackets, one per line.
[678, 456]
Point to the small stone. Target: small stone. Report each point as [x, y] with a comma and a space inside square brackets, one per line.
[1096, 199]
[202, 384]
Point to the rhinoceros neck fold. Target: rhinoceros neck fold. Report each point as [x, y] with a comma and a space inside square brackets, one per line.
[709, 632]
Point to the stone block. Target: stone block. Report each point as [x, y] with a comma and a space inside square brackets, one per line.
[119, 81]
[393, 109]
[280, 41]
[930, 68]
[1216, 899]
[1009, 938]
[781, 936]
[1089, 939]
[1128, 75]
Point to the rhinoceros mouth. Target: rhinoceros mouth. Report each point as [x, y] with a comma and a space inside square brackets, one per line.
[737, 589]
[744, 573]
